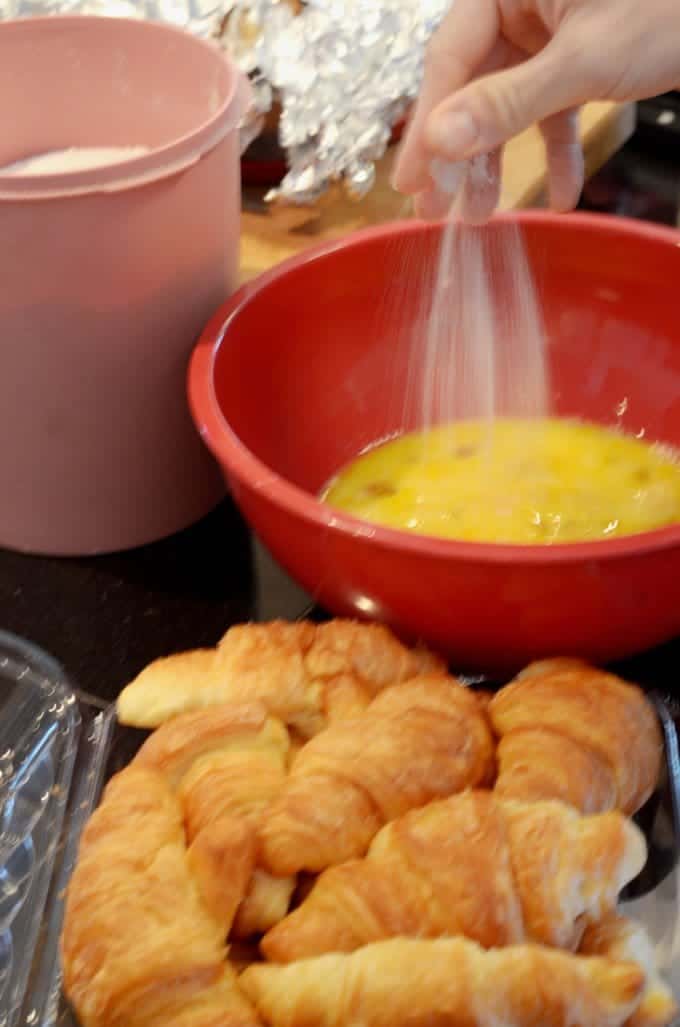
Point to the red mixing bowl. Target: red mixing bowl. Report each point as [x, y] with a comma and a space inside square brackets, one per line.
[298, 373]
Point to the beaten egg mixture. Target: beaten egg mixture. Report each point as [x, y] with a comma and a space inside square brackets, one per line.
[543, 481]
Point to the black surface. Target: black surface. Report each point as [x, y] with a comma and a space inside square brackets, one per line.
[643, 179]
[105, 618]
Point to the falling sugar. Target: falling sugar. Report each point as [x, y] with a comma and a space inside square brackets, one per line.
[476, 348]
[485, 342]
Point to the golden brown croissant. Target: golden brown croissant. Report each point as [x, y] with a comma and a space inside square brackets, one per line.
[418, 741]
[228, 761]
[618, 938]
[570, 732]
[146, 918]
[497, 871]
[305, 674]
[222, 1005]
[449, 982]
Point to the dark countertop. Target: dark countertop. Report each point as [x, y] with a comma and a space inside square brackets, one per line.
[105, 618]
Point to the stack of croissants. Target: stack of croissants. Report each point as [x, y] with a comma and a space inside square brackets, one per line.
[326, 829]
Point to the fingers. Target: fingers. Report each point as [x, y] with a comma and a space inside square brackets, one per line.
[565, 159]
[431, 204]
[463, 40]
[476, 201]
[480, 194]
[489, 111]
[447, 181]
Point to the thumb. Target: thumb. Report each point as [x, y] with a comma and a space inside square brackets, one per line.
[491, 110]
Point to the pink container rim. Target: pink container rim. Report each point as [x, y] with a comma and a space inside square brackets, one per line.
[159, 162]
[245, 466]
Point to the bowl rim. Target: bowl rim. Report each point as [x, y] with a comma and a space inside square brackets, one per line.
[163, 161]
[239, 461]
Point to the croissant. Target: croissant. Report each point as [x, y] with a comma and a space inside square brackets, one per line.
[570, 732]
[146, 918]
[496, 871]
[229, 761]
[618, 938]
[222, 1005]
[305, 674]
[449, 982]
[418, 741]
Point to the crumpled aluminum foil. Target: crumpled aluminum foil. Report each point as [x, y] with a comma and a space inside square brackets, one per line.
[343, 71]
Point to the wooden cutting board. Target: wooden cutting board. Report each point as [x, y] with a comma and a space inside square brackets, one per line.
[270, 234]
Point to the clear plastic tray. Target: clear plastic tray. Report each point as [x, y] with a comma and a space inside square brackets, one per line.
[653, 898]
[53, 749]
[70, 744]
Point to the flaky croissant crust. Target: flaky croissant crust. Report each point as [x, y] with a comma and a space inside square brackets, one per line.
[497, 871]
[449, 983]
[305, 674]
[197, 839]
[571, 732]
[417, 741]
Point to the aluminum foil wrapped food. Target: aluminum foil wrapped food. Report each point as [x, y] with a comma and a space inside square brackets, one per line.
[343, 72]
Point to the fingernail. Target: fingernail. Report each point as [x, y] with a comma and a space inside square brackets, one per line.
[453, 134]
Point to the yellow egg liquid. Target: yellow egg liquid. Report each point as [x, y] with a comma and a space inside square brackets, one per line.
[518, 481]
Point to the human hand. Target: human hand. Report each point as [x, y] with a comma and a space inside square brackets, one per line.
[495, 67]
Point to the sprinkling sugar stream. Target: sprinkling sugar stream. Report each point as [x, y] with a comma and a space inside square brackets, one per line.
[471, 341]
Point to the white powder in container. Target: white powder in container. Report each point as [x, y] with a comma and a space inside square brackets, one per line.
[75, 158]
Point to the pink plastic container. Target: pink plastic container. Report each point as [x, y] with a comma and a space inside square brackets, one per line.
[107, 277]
